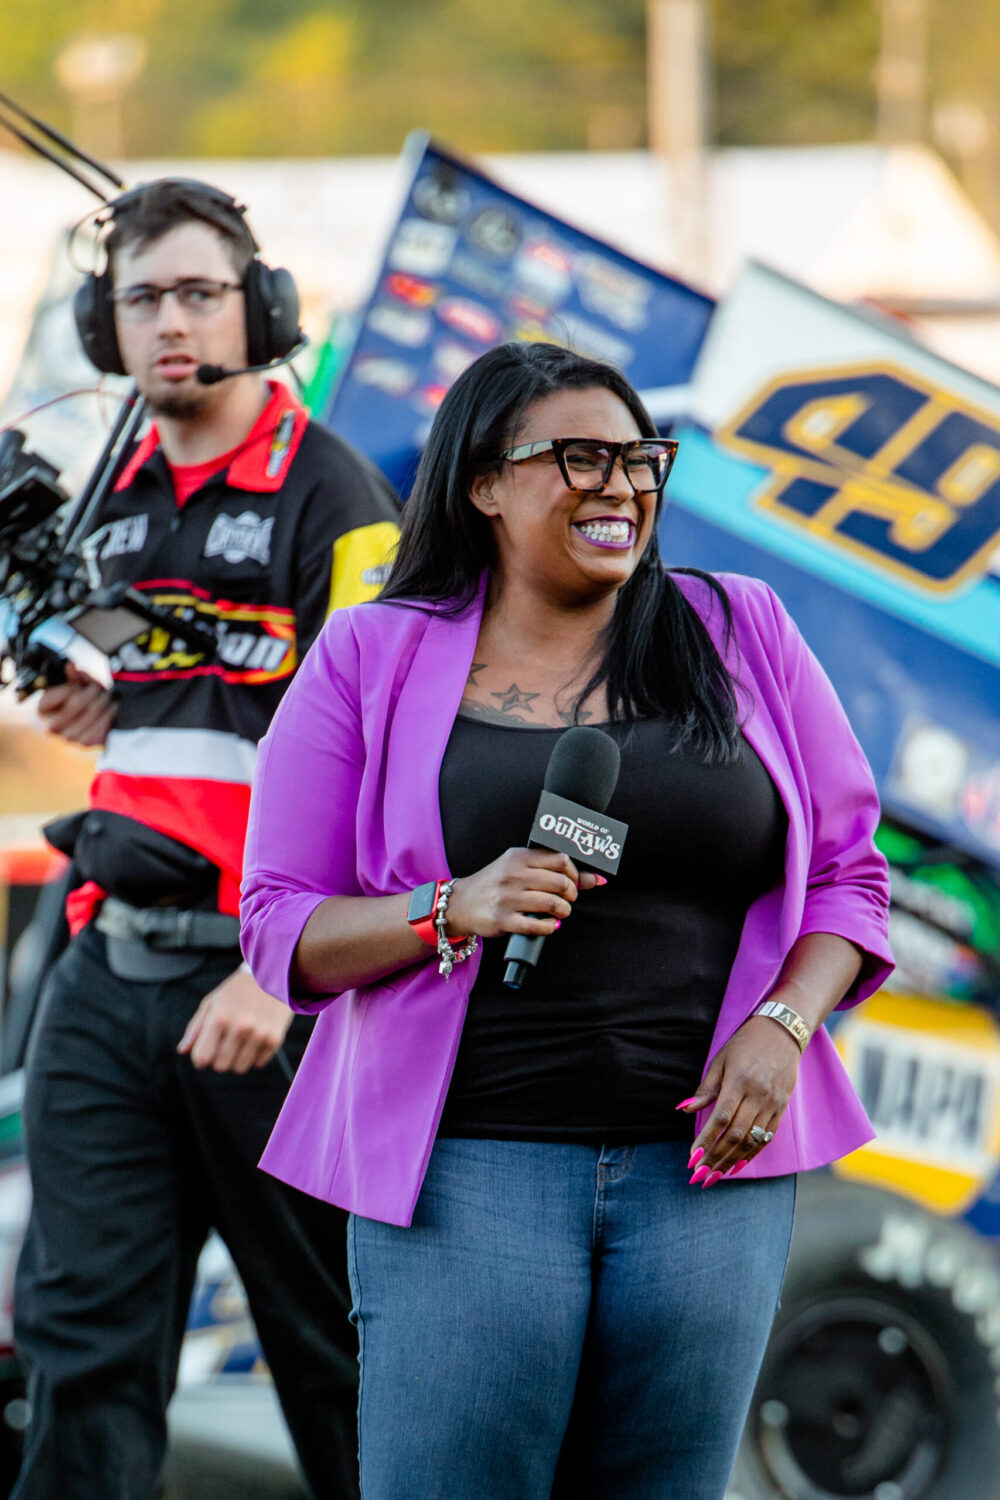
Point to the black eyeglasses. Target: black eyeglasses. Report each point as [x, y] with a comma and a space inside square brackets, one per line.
[586, 463]
[196, 294]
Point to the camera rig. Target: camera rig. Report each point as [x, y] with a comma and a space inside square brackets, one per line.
[45, 574]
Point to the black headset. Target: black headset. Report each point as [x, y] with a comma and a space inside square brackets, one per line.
[270, 298]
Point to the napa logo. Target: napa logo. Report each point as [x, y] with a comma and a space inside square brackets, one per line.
[879, 462]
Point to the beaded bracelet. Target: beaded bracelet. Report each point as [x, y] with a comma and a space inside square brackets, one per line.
[448, 955]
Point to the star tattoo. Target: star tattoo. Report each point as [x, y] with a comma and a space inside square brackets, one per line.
[512, 698]
[477, 666]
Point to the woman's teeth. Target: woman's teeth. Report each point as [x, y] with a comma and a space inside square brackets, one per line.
[606, 531]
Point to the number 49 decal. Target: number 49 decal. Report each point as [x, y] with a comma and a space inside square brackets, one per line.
[878, 462]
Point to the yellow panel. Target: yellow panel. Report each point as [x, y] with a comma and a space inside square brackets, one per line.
[929, 1071]
[359, 561]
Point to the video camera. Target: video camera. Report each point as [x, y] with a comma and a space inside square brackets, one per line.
[45, 576]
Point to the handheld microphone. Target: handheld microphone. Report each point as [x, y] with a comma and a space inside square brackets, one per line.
[212, 374]
[580, 779]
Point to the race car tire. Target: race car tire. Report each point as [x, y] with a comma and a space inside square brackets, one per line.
[880, 1380]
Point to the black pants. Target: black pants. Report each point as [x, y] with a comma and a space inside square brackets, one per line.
[134, 1156]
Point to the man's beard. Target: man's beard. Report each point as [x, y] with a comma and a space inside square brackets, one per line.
[178, 403]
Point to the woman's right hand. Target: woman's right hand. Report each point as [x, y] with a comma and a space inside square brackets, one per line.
[358, 940]
[529, 891]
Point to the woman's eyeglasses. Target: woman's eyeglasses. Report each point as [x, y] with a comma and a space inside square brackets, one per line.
[141, 303]
[587, 463]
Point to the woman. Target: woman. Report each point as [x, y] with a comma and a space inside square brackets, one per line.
[531, 1234]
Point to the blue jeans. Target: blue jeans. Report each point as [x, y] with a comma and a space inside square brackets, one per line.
[551, 1292]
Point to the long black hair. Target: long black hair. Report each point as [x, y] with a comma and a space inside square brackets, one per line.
[659, 660]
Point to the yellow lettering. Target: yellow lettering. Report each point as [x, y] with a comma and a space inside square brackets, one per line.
[970, 475]
[818, 424]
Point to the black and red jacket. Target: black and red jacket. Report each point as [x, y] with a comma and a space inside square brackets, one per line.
[298, 524]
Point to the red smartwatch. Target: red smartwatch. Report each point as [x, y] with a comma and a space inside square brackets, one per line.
[423, 909]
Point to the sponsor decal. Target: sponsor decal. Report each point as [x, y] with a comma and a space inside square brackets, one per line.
[545, 269]
[520, 305]
[981, 805]
[596, 343]
[470, 318]
[936, 772]
[389, 375]
[944, 921]
[421, 247]
[921, 899]
[881, 463]
[280, 444]
[612, 292]
[496, 231]
[256, 643]
[450, 359]
[251, 651]
[912, 1253]
[429, 397]
[583, 834]
[156, 654]
[930, 961]
[540, 333]
[411, 289]
[117, 538]
[411, 326]
[375, 577]
[588, 837]
[441, 195]
[928, 1074]
[242, 538]
[477, 276]
[930, 768]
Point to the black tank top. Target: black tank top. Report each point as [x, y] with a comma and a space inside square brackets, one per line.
[612, 1029]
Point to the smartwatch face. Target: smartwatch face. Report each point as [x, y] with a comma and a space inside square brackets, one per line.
[422, 902]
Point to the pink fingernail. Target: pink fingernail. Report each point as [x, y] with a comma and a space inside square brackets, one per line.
[601, 879]
[685, 1102]
[737, 1167]
[700, 1174]
[711, 1180]
[696, 1156]
[558, 923]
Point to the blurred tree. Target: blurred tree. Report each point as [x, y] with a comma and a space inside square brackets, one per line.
[318, 77]
[965, 113]
[794, 71]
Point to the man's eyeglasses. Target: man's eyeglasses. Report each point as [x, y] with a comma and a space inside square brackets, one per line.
[141, 303]
[586, 463]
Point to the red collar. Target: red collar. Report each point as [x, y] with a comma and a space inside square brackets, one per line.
[262, 459]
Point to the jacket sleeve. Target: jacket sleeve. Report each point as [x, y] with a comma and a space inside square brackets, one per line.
[303, 809]
[346, 536]
[847, 888]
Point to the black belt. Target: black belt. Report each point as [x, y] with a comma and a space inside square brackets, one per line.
[162, 942]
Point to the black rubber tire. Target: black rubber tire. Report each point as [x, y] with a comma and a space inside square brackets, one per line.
[880, 1378]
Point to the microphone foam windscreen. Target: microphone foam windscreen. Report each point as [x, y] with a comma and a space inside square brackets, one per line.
[583, 767]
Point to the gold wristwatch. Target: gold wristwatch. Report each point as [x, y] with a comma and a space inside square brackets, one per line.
[790, 1019]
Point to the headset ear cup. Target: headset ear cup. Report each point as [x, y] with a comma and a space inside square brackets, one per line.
[94, 315]
[272, 313]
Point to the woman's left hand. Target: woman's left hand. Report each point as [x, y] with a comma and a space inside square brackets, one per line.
[751, 1080]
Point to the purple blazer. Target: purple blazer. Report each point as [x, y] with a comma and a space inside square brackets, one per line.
[345, 801]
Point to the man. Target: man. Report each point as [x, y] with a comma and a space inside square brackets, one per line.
[159, 1066]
